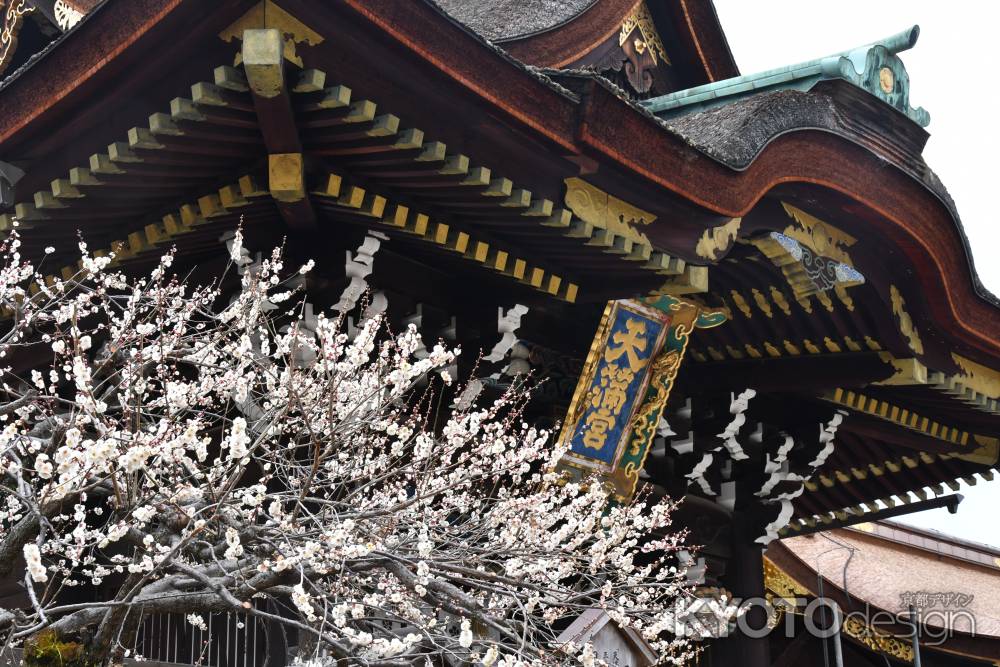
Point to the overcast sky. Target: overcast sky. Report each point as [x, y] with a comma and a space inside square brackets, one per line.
[951, 76]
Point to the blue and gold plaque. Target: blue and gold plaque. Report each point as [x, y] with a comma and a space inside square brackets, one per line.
[625, 384]
[619, 374]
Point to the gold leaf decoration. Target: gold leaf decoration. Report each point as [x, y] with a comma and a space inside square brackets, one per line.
[718, 240]
[13, 17]
[640, 19]
[906, 325]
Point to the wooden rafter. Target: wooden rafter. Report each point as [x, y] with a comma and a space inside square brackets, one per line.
[264, 64]
[339, 194]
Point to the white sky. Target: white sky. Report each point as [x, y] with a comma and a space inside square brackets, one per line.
[952, 76]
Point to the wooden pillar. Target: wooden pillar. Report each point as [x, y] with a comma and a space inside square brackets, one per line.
[745, 580]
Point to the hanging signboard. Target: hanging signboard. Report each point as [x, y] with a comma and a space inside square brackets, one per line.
[625, 383]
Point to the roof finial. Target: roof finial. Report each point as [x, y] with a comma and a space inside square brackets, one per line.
[875, 68]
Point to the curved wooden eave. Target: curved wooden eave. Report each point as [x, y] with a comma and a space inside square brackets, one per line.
[700, 49]
[907, 214]
[568, 42]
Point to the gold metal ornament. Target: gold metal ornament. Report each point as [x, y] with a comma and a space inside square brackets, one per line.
[13, 17]
[886, 79]
[640, 19]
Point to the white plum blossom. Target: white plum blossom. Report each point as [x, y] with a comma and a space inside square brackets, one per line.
[135, 458]
[33, 560]
[238, 439]
[43, 466]
[235, 549]
[230, 447]
[302, 602]
[465, 636]
[144, 514]
[197, 621]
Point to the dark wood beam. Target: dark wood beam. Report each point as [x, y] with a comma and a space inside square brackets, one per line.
[801, 373]
[873, 427]
[951, 502]
[264, 64]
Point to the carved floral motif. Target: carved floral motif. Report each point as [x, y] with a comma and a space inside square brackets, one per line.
[605, 211]
[906, 325]
[67, 16]
[716, 241]
[878, 640]
[821, 237]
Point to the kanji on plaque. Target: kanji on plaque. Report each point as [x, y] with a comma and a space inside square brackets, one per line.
[619, 377]
[624, 387]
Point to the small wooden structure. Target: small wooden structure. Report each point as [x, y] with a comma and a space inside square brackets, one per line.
[617, 646]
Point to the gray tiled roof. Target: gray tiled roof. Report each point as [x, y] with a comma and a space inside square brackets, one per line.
[497, 20]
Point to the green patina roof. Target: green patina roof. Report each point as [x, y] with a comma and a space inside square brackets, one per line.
[864, 67]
